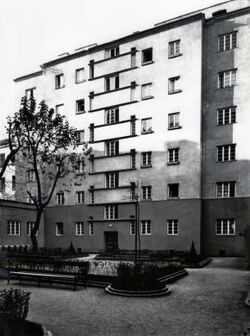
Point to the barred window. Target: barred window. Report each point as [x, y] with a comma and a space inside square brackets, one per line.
[225, 227]
[225, 189]
[226, 115]
[226, 153]
[172, 227]
[226, 78]
[227, 41]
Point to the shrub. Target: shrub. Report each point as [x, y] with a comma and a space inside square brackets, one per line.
[142, 277]
[14, 302]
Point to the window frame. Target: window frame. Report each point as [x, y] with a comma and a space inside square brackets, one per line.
[111, 116]
[91, 229]
[77, 81]
[148, 159]
[148, 129]
[111, 211]
[172, 85]
[112, 52]
[79, 228]
[78, 102]
[225, 82]
[148, 87]
[226, 151]
[176, 123]
[224, 223]
[59, 81]
[29, 226]
[59, 229]
[171, 185]
[232, 44]
[172, 227]
[111, 148]
[146, 193]
[146, 227]
[228, 189]
[173, 156]
[13, 228]
[60, 198]
[80, 137]
[222, 113]
[176, 51]
[80, 197]
[143, 62]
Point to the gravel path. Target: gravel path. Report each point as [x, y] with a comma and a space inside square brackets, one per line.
[210, 301]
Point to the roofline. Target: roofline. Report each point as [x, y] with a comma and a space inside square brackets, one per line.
[33, 74]
[124, 39]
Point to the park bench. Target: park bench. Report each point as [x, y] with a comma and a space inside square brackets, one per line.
[50, 278]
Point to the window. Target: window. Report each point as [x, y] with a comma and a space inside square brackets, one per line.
[174, 48]
[146, 159]
[80, 197]
[2, 184]
[60, 198]
[29, 227]
[226, 115]
[13, 182]
[111, 211]
[173, 85]
[14, 228]
[133, 159]
[112, 83]
[173, 190]
[2, 159]
[30, 174]
[91, 229]
[225, 227]
[227, 41]
[173, 120]
[146, 125]
[146, 91]
[132, 228]
[225, 189]
[226, 153]
[80, 137]
[60, 109]
[79, 228]
[147, 56]
[112, 52]
[59, 229]
[111, 116]
[112, 148]
[80, 76]
[226, 78]
[92, 195]
[173, 156]
[146, 192]
[112, 180]
[91, 69]
[59, 81]
[29, 92]
[80, 106]
[80, 166]
[145, 227]
[172, 227]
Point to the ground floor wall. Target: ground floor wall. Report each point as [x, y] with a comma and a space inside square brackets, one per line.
[225, 245]
[18, 212]
[187, 212]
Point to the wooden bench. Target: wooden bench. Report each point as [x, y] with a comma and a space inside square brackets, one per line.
[50, 278]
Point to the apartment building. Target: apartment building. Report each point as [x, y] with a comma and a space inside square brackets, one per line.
[166, 113]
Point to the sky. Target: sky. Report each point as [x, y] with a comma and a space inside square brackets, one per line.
[35, 31]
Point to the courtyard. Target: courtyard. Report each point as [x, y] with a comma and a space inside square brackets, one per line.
[208, 302]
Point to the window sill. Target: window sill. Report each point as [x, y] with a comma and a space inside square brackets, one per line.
[60, 87]
[82, 112]
[83, 81]
[222, 51]
[228, 124]
[174, 92]
[147, 63]
[146, 98]
[144, 167]
[174, 56]
[174, 128]
[227, 87]
[146, 200]
[59, 235]
[226, 161]
[144, 133]
[173, 198]
[80, 173]
[173, 163]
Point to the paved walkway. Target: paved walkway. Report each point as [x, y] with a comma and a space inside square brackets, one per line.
[208, 302]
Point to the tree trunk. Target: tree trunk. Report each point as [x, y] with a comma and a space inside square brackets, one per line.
[35, 229]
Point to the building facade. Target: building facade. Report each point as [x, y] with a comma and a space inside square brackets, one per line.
[165, 111]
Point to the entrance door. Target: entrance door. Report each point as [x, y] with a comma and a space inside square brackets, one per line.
[111, 241]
